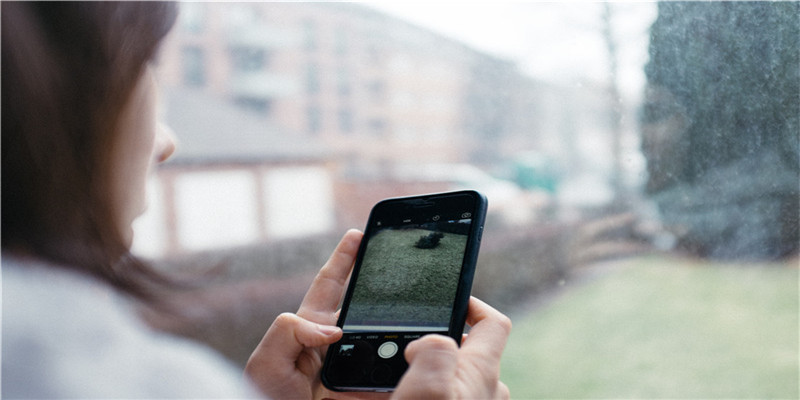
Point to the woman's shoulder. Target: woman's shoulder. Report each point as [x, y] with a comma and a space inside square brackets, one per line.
[86, 338]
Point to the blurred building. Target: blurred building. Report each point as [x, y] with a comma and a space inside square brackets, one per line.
[235, 181]
[330, 107]
[360, 81]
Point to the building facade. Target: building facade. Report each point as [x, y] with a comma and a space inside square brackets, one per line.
[360, 81]
[344, 102]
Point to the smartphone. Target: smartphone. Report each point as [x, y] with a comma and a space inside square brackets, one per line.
[412, 277]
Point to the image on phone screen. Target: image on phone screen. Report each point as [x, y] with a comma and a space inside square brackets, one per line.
[408, 277]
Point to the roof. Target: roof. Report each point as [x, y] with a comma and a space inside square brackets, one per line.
[211, 130]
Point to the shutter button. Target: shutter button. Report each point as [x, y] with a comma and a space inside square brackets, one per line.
[387, 350]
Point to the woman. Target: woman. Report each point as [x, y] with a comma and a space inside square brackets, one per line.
[79, 135]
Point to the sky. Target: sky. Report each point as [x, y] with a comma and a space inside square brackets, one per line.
[555, 41]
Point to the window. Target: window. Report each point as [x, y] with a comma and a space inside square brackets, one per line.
[310, 35]
[192, 19]
[640, 160]
[341, 42]
[377, 126]
[343, 82]
[377, 91]
[247, 59]
[259, 105]
[314, 118]
[194, 67]
[312, 78]
[345, 121]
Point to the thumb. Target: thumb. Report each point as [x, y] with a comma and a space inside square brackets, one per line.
[432, 368]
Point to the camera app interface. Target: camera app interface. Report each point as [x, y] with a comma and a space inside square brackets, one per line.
[409, 276]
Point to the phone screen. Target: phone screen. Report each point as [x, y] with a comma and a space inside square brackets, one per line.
[409, 276]
[412, 277]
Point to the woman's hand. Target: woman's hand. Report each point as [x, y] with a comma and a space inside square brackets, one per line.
[286, 364]
[439, 369]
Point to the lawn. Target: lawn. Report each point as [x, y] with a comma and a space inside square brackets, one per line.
[661, 328]
[405, 284]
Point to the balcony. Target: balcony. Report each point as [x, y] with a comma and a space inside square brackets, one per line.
[264, 37]
[262, 84]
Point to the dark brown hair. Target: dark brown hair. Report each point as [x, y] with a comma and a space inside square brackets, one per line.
[68, 70]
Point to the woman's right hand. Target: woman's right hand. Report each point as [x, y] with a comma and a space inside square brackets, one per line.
[439, 369]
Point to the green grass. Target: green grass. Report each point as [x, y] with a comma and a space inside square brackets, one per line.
[662, 328]
[401, 282]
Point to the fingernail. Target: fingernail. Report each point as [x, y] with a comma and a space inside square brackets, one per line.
[328, 329]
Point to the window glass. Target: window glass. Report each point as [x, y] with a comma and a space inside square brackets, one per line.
[192, 19]
[314, 119]
[248, 59]
[194, 66]
[312, 78]
[640, 162]
[345, 121]
[310, 35]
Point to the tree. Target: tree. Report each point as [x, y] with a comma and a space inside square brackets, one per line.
[720, 127]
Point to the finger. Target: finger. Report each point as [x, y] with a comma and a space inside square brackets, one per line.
[285, 339]
[502, 391]
[432, 367]
[488, 333]
[322, 298]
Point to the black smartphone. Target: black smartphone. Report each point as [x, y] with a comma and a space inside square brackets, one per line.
[412, 277]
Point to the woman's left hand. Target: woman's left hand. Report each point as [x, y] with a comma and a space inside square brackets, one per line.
[287, 362]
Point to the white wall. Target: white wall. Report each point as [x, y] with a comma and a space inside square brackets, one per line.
[149, 230]
[298, 201]
[215, 209]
